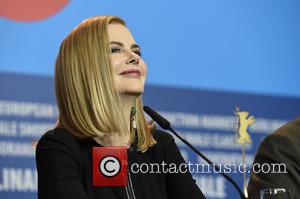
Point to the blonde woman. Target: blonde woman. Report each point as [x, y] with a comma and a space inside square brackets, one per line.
[99, 79]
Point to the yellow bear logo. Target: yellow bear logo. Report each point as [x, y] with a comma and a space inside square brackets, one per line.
[244, 122]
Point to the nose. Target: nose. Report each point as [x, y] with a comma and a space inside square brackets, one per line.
[132, 58]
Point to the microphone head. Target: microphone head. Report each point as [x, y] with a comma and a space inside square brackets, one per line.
[160, 120]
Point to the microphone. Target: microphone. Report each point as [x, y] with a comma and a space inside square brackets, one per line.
[166, 125]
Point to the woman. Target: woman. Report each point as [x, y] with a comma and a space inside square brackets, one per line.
[99, 80]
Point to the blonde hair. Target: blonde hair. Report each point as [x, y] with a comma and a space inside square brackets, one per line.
[88, 103]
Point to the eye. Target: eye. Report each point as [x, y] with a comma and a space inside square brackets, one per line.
[138, 52]
[115, 50]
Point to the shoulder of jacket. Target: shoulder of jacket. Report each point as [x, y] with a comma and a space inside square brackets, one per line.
[162, 137]
[290, 130]
[287, 135]
[59, 138]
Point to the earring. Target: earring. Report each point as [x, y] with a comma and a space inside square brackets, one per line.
[132, 117]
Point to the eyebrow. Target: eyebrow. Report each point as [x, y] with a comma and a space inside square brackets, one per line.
[120, 44]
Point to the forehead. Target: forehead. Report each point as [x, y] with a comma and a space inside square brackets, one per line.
[118, 32]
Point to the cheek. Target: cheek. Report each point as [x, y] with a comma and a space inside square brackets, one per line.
[143, 68]
[116, 63]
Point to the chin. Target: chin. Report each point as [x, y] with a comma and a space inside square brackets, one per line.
[132, 91]
[133, 87]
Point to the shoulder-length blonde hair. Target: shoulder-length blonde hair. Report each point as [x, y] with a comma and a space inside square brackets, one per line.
[89, 105]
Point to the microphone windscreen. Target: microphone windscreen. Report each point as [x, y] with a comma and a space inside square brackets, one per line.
[160, 120]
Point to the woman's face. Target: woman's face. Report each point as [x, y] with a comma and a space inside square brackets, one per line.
[128, 67]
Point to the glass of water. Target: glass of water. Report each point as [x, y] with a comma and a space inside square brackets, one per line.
[276, 193]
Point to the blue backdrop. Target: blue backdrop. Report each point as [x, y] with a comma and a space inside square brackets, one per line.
[204, 58]
[247, 46]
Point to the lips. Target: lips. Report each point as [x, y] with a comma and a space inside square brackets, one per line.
[131, 72]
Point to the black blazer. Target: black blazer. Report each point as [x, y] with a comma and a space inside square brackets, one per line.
[282, 146]
[64, 166]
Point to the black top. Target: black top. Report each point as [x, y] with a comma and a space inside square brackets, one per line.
[282, 146]
[64, 166]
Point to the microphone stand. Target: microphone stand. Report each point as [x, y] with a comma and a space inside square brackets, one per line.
[210, 162]
[165, 124]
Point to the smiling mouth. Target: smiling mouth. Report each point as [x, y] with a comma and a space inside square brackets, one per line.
[131, 73]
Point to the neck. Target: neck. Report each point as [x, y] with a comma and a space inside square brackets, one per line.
[127, 101]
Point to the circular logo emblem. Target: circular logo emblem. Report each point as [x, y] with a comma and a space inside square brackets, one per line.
[109, 166]
[30, 10]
